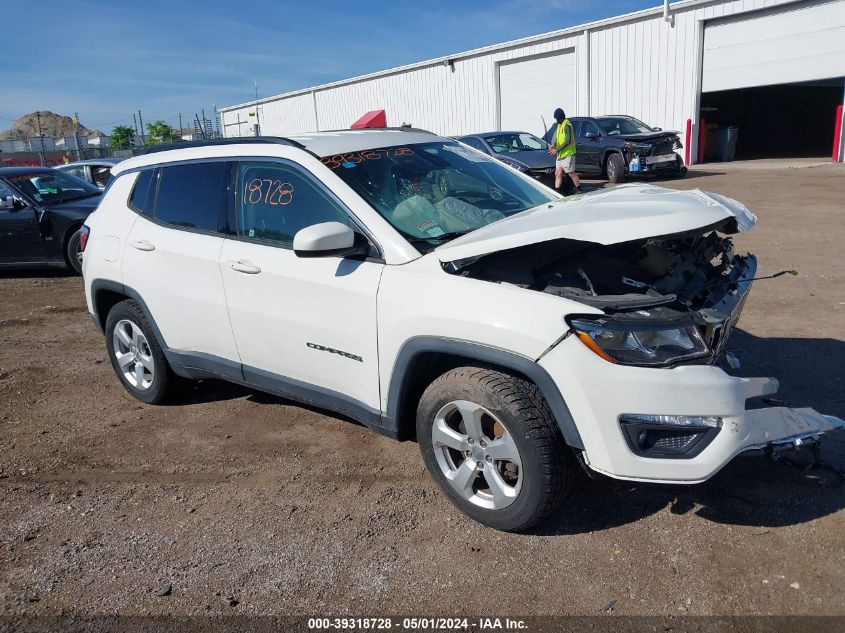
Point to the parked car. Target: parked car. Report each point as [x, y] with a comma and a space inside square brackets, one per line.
[520, 150]
[619, 146]
[511, 335]
[96, 171]
[41, 212]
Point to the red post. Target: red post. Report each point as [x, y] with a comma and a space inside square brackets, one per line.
[687, 143]
[837, 132]
[701, 136]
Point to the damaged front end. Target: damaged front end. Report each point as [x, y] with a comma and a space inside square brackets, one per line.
[665, 300]
[653, 155]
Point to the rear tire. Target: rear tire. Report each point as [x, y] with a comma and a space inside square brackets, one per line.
[615, 168]
[136, 356]
[490, 442]
[73, 253]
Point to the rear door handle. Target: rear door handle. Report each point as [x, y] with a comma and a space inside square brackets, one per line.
[243, 266]
[143, 245]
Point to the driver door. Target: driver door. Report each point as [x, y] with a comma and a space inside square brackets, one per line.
[20, 235]
[305, 326]
[589, 144]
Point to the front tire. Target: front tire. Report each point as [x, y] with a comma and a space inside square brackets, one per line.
[73, 252]
[136, 356]
[490, 442]
[615, 168]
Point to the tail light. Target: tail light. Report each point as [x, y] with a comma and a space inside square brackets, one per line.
[84, 233]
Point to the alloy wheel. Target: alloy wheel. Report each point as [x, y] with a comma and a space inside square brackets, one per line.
[133, 354]
[477, 455]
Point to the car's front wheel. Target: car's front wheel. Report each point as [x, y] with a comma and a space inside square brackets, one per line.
[491, 443]
[136, 356]
[615, 168]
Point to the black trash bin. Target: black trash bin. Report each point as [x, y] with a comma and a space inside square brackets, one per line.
[726, 142]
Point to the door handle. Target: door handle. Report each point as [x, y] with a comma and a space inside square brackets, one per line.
[243, 266]
[143, 245]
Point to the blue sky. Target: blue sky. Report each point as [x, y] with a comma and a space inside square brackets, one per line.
[107, 59]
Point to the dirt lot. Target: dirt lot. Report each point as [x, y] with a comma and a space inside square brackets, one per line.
[247, 504]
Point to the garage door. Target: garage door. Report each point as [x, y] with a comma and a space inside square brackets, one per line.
[801, 42]
[531, 88]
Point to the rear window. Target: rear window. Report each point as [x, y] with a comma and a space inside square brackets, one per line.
[140, 200]
[193, 196]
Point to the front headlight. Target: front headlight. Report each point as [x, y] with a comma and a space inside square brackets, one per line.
[640, 343]
[637, 147]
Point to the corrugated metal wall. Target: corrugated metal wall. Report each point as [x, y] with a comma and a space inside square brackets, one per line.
[641, 66]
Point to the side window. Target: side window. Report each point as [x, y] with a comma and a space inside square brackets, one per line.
[589, 126]
[100, 175]
[475, 144]
[141, 198]
[78, 171]
[275, 201]
[193, 196]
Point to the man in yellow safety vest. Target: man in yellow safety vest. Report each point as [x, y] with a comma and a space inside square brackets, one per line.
[563, 146]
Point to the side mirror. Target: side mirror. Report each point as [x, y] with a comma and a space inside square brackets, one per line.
[591, 135]
[328, 239]
[657, 129]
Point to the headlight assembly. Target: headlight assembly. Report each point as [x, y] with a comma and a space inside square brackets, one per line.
[640, 343]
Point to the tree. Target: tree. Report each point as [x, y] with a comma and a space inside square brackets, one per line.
[159, 132]
[122, 137]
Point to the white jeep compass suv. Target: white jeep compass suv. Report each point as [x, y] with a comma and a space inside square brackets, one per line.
[509, 331]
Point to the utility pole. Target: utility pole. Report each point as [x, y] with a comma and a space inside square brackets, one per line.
[135, 123]
[141, 121]
[76, 135]
[180, 127]
[257, 122]
[202, 131]
[41, 155]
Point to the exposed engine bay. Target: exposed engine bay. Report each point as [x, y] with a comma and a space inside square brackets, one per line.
[695, 275]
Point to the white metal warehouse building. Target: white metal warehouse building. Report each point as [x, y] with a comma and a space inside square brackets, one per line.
[773, 68]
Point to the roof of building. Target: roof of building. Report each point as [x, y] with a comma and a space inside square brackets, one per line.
[445, 59]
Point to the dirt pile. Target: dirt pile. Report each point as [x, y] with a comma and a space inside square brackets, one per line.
[52, 124]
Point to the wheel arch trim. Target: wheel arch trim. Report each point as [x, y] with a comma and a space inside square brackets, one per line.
[413, 348]
[100, 285]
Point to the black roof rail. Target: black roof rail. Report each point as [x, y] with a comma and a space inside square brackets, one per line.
[238, 140]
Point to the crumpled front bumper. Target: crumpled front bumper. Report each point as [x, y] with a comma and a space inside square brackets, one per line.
[598, 393]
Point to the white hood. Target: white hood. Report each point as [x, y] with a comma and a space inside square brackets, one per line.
[621, 214]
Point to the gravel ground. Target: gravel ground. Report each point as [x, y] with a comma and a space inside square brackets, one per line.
[236, 502]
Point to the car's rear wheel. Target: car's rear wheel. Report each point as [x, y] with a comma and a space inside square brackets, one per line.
[136, 356]
[492, 445]
[73, 252]
[615, 168]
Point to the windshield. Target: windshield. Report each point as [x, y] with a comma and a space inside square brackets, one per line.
[434, 192]
[623, 125]
[53, 187]
[512, 143]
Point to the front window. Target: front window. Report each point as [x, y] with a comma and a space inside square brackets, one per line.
[615, 126]
[434, 192]
[277, 201]
[512, 143]
[53, 187]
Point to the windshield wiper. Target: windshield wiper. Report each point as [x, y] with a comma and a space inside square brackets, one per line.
[440, 238]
